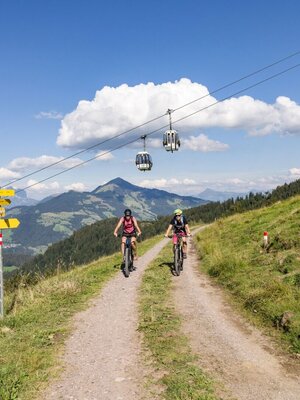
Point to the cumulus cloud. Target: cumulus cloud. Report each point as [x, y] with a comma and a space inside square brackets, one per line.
[49, 115]
[6, 173]
[166, 183]
[77, 187]
[41, 190]
[246, 185]
[104, 155]
[294, 172]
[23, 163]
[115, 110]
[203, 143]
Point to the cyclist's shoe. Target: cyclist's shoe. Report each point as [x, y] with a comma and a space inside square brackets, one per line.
[184, 255]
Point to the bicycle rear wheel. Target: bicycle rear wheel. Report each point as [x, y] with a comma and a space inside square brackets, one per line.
[126, 262]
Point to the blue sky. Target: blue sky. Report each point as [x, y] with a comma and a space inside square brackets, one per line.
[73, 73]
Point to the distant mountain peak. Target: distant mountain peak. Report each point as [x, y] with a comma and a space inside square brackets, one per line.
[118, 182]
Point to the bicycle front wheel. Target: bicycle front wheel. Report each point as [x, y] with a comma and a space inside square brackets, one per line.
[177, 263]
[127, 262]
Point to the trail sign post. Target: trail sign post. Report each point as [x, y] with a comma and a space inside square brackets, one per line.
[7, 192]
[9, 223]
[266, 239]
[4, 202]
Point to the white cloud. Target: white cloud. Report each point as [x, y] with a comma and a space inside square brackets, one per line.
[42, 186]
[41, 190]
[245, 185]
[23, 163]
[166, 183]
[8, 174]
[104, 155]
[114, 110]
[294, 172]
[77, 187]
[203, 143]
[49, 115]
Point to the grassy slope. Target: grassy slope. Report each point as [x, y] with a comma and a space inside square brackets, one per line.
[266, 282]
[33, 332]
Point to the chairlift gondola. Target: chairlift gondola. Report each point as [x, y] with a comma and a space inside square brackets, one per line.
[143, 159]
[171, 140]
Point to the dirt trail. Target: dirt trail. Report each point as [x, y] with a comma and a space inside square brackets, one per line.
[241, 358]
[102, 357]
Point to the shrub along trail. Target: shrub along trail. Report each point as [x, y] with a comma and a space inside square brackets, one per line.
[102, 357]
[240, 357]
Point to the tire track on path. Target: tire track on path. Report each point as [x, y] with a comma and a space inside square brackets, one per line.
[231, 350]
[102, 358]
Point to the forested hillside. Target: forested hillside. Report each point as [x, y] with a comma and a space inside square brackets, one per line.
[91, 242]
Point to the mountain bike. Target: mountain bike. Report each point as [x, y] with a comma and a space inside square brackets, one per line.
[178, 254]
[128, 257]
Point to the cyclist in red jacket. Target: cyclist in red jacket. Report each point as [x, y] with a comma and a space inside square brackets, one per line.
[130, 228]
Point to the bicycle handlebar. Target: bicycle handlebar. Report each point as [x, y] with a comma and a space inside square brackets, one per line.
[178, 235]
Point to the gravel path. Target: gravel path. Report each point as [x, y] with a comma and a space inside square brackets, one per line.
[102, 358]
[241, 358]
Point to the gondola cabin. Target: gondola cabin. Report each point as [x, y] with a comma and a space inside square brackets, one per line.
[143, 161]
[171, 140]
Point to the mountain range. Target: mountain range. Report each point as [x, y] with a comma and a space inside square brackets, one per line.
[214, 195]
[56, 218]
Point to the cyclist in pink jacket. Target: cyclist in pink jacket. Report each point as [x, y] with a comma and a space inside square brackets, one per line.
[130, 229]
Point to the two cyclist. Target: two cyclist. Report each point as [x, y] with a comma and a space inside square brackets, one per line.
[130, 229]
[179, 225]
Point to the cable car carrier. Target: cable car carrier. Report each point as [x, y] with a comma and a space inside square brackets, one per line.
[143, 159]
[171, 140]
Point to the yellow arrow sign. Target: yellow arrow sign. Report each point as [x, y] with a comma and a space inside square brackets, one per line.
[7, 192]
[10, 223]
[2, 212]
[4, 202]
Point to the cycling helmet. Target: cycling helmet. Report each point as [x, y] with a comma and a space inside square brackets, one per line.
[177, 211]
[127, 212]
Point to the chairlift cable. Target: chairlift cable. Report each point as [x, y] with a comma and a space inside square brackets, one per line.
[239, 80]
[150, 121]
[165, 126]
